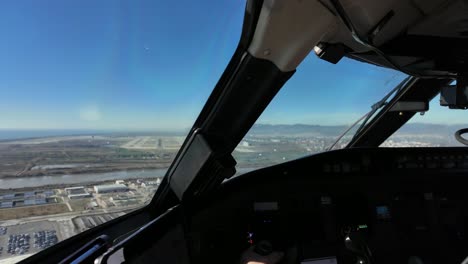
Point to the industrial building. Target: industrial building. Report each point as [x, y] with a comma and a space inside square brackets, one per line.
[48, 193]
[6, 205]
[77, 192]
[29, 194]
[38, 201]
[26, 195]
[8, 196]
[18, 199]
[110, 188]
[151, 183]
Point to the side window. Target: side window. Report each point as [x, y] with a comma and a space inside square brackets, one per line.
[312, 110]
[435, 128]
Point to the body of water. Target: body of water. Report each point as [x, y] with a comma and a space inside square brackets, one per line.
[37, 181]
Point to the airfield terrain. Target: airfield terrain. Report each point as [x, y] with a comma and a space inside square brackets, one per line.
[49, 185]
[85, 154]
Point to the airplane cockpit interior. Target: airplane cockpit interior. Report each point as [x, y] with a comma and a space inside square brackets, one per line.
[361, 200]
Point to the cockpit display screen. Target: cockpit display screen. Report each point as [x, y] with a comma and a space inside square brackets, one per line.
[383, 212]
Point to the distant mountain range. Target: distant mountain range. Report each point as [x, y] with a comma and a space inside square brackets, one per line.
[257, 129]
[296, 130]
[319, 130]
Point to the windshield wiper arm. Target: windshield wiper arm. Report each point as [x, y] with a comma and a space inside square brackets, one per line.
[374, 108]
[347, 130]
[382, 103]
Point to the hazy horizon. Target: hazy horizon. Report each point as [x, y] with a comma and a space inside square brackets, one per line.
[178, 130]
[7, 133]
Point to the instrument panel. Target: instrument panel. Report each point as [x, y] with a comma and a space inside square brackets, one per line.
[396, 209]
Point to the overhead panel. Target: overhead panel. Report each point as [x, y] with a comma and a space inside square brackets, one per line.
[288, 30]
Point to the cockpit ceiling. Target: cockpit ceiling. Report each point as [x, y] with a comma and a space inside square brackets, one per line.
[427, 37]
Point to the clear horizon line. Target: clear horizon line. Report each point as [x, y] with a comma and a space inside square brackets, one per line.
[187, 129]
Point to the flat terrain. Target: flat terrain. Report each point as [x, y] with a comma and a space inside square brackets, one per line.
[79, 204]
[104, 158]
[85, 154]
[154, 143]
[264, 145]
[27, 211]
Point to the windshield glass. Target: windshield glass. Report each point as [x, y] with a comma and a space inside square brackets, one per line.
[435, 128]
[315, 106]
[96, 98]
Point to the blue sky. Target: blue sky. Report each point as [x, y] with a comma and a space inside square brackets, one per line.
[139, 65]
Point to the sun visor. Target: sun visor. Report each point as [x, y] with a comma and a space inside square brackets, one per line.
[288, 30]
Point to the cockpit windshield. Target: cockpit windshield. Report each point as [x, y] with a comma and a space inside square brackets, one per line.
[96, 98]
[320, 102]
[434, 128]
